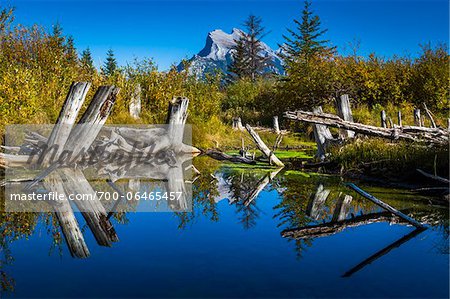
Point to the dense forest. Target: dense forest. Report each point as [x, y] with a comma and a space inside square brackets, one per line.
[37, 67]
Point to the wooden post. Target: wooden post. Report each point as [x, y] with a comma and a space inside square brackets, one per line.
[383, 119]
[399, 118]
[344, 111]
[322, 135]
[135, 102]
[417, 120]
[384, 205]
[276, 127]
[263, 147]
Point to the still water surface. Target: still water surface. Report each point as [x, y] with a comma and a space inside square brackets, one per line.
[230, 247]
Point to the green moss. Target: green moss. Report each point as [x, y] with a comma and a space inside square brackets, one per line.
[283, 154]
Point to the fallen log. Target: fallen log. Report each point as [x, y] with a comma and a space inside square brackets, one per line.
[263, 147]
[434, 177]
[410, 133]
[220, 156]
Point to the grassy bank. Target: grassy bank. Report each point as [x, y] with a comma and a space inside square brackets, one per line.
[392, 161]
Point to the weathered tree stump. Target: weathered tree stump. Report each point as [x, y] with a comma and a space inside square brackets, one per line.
[276, 126]
[344, 111]
[417, 119]
[135, 102]
[383, 119]
[322, 135]
[237, 124]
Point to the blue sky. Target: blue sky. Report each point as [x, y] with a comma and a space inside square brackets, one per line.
[169, 31]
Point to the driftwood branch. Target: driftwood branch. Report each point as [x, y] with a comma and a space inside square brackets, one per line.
[429, 115]
[263, 147]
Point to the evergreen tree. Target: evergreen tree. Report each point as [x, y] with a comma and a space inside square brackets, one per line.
[86, 59]
[110, 65]
[247, 59]
[239, 67]
[304, 42]
[56, 41]
[71, 52]
[57, 35]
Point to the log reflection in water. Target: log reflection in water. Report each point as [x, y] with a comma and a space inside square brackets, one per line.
[342, 207]
[384, 251]
[331, 228]
[317, 202]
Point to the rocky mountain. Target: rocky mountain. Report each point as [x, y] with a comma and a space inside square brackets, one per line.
[217, 54]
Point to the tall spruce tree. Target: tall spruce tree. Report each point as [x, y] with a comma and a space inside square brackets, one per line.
[304, 41]
[308, 66]
[239, 67]
[86, 59]
[247, 59]
[71, 52]
[110, 65]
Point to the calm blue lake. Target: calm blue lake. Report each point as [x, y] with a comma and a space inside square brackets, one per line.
[234, 246]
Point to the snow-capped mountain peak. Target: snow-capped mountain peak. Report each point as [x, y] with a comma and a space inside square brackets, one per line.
[217, 54]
